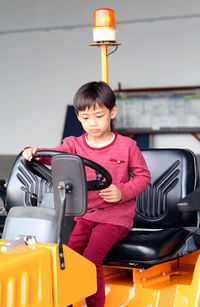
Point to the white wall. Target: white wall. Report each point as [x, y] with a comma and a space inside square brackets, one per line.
[40, 70]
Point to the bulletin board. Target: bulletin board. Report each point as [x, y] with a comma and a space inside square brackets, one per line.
[158, 110]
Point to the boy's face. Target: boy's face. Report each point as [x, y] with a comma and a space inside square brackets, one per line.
[96, 120]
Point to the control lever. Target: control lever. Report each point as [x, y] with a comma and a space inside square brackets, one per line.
[33, 197]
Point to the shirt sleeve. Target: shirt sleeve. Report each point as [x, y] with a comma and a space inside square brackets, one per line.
[67, 146]
[140, 175]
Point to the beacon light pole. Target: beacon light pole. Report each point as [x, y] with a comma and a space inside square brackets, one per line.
[104, 35]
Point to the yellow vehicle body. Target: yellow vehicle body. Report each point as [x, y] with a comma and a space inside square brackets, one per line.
[175, 283]
[31, 276]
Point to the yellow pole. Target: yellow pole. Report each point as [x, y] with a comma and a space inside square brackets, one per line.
[104, 63]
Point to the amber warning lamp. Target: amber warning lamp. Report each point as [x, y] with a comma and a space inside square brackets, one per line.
[104, 29]
[104, 35]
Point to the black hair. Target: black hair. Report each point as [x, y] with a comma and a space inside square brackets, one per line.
[93, 93]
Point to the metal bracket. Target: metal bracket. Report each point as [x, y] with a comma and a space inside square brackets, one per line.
[64, 188]
[18, 242]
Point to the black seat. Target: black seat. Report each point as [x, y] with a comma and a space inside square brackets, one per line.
[24, 187]
[161, 231]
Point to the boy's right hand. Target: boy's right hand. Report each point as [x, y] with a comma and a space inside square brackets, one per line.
[28, 153]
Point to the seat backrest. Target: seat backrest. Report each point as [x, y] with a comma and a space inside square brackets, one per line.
[25, 188]
[174, 174]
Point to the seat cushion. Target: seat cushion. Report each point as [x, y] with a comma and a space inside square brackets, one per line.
[148, 246]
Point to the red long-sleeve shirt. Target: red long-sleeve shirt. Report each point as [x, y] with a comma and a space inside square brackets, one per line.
[121, 158]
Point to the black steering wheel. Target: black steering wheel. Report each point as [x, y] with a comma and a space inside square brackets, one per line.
[44, 172]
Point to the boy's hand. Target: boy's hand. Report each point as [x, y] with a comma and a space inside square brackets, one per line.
[112, 194]
[28, 153]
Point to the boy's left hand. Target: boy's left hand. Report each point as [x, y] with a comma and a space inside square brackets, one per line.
[112, 194]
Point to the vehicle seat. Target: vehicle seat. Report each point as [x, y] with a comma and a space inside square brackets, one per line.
[29, 202]
[25, 188]
[161, 231]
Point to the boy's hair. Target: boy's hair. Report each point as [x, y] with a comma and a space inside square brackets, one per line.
[93, 93]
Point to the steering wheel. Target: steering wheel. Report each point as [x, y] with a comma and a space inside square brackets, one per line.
[44, 172]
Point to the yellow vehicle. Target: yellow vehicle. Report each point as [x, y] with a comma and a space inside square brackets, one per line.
[157, 264]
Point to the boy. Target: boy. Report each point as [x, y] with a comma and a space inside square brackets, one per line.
[110, 211]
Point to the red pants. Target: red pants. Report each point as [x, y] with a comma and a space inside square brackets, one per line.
[93, 241]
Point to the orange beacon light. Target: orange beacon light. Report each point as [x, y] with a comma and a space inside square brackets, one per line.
[104, 36]
[104, 29]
